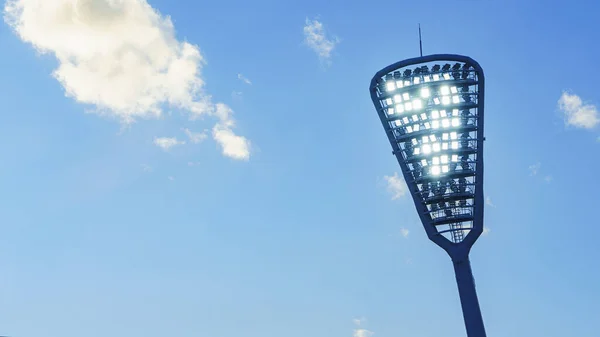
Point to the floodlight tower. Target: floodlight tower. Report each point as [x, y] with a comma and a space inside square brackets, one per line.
[431, 108]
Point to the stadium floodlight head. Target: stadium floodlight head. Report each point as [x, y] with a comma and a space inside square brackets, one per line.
[434, 122]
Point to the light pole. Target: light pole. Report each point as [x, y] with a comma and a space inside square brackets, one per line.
[431, 108]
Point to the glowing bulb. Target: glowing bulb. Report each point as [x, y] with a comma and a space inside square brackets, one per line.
[445, 90]
[417, 151]
[390, 111]
[435, 124]
[397, 98]
[425, 92]
[454, 145]
[455, 122]
[445, 169]
[423, 116]
[406, 83]
[397, 122]
[432, 138]
[409, 129]
[426, 149]
[436, 100]
[455, 99]
[445, 122]
[426, 79]
[408, 106]
[453, 135]
[446, 100]
[455, 112]
[415, 118]
[436, 147]
[425, 139]
[454, 90]
[417, 104]
[388, 101]
[416, 127]
[424, 162]
[435, 160]
[435, 170]
[427, 125]
[417, 80]
[447, 76]
[390, 86]
[406, 96]
[444, 146]
[399, 84]
[444, 136]
[443, 113]
[436, 77]
[415, 141]
[435, 114]
[455, 158]
[399, 108]
[444, 159]
[405, 120]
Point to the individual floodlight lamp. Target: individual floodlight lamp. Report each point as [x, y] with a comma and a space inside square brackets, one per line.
[436, 133]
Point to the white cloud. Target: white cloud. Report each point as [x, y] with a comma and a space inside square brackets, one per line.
[233, 146]
[488, 201]
[535, 168]
[244, 79]
[404, 232]
[396, 186]
[195, 137]
[359, 321]
[237, 95]
[362, 333]
[121, 57]
[167, 143]
[577, 113]
[146, 168]
[317, 39]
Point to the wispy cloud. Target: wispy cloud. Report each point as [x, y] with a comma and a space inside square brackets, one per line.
[317, 39]
[120, 57]
[195, 137]
[359, 321]
[488, 201]
[362, 333]
[486, 231]
[535, 168]
[577, 113]
[166, 143]
[396, 186]
[404, 232]
[244, 79]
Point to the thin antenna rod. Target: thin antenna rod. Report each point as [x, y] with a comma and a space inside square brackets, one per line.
[420, 41]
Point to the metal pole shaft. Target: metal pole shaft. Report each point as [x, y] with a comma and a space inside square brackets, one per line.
[468, 298]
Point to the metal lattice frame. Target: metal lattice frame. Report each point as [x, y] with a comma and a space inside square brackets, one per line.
[431, 108]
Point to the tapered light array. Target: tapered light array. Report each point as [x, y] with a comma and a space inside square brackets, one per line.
[431, 112]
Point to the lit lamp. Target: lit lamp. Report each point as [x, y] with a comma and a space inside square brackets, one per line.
[434, 122]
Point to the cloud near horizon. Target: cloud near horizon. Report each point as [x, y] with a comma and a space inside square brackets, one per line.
[122, 58]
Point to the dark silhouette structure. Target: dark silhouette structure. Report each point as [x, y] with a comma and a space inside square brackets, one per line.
[431, 109]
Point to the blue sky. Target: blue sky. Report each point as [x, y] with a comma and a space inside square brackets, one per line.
[225, 173]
